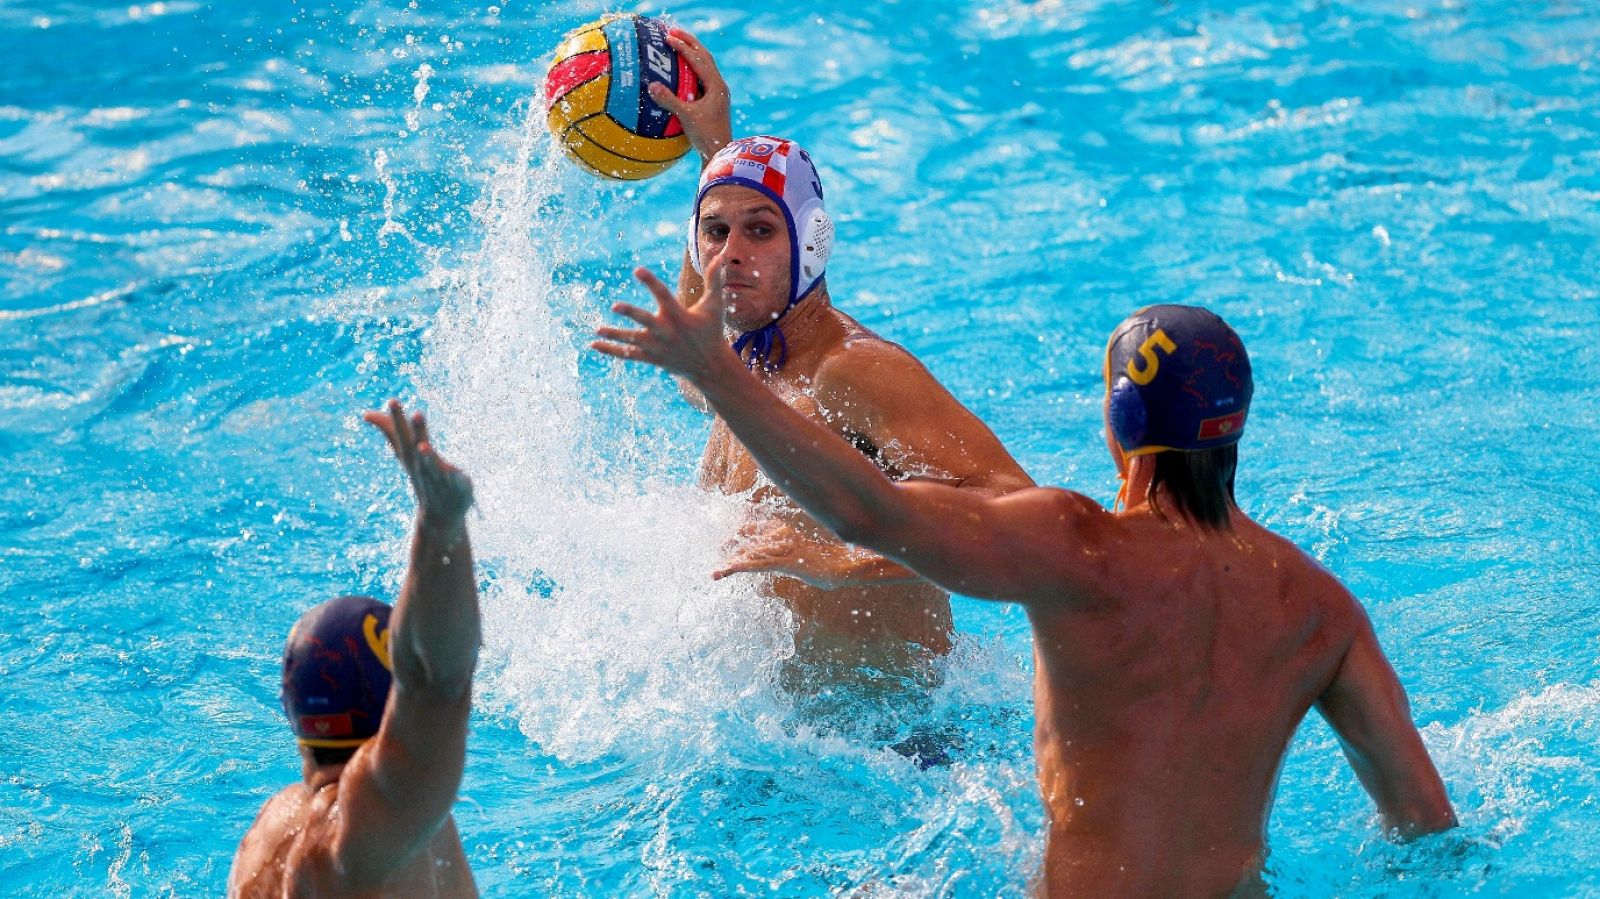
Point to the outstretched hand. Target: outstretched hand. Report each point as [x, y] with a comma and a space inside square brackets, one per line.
[444, 492]
[686, 342]
[779, 547]
[707, 119]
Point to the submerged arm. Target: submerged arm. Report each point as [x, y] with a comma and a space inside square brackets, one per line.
[1367, 707]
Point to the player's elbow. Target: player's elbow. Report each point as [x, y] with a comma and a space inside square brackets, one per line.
[858, 525]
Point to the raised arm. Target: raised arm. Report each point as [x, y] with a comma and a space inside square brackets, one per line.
[707, 122]
[1366, 706]
[398, 789]
[1008, 547]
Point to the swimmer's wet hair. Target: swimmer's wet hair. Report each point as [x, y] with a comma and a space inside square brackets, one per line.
[1200, 481]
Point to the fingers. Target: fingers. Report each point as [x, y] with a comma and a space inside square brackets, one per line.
[666, 99]
[419, 427]
[715, 302]
[744, 566]
[665, 299]
[699, 57]
[380, 420]
[621, 335]
[428, 461]
[627, 310]
[619, 350]
[405, 444]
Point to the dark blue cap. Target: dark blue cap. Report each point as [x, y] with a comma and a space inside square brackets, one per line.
[336, 672]
[1178, 378]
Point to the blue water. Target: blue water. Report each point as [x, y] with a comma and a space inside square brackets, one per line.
[225, 228]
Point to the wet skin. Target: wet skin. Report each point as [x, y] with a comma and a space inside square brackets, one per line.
[848, 605]
[1173, 663]
[290, 851]
[1168, 689]
[851, 607]
[380, 824]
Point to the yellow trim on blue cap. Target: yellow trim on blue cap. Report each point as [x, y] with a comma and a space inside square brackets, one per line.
[345, 743]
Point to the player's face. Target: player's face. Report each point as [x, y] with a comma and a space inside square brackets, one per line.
[744, 250]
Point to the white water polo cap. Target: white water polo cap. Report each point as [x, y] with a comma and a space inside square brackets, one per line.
[782, 171]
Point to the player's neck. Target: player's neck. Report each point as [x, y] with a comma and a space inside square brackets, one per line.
[809, 329]
[318, 776]
[1134, 490]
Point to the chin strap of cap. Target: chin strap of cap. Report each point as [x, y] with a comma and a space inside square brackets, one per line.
[762, 342]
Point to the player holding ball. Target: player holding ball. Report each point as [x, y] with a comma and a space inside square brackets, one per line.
[761, 236]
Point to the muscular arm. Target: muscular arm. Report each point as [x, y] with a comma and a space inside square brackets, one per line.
[967, 541]
[398, 788]
[880, 393]
[1032, 545]
[1366, 706]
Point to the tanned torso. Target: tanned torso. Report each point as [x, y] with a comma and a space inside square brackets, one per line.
[1165, 702]
[289, 849]
[879, 619]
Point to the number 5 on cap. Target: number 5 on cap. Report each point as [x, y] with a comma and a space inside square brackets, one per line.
[1145, 374]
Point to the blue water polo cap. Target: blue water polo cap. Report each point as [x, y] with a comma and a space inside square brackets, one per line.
[1178, 378]
[336, 672]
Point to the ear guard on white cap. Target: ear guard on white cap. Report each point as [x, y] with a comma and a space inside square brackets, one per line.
[694, 244]
[815, 240]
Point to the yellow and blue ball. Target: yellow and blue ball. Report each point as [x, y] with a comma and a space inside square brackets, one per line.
[598, 98]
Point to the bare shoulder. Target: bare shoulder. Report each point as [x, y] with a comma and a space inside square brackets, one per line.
[1060, 544]
[1303, 576]
[864, 359]
[1054, 517]
[267, 841]
[870, 380]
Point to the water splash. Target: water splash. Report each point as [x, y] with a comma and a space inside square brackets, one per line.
[603, 630]
[1509, 767]
[419, 94]
[380, 164]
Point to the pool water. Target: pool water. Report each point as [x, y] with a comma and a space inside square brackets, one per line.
[227, 227]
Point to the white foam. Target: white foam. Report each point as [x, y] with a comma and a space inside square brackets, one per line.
[1499, 766]
[603, 628]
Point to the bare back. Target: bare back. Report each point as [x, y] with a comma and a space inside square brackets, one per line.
[1173, 663]
[1165, 704]
[288, 853]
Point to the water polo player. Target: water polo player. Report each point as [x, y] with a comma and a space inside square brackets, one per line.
[760, 234]
[382, 753]
[1177, 643]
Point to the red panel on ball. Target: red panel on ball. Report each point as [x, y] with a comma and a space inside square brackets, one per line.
[573, 71]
